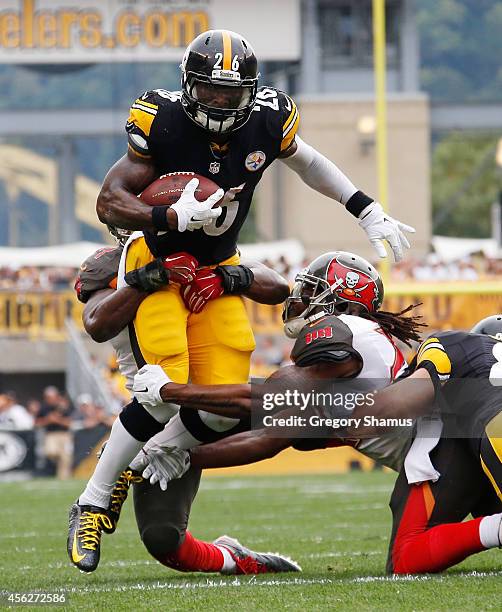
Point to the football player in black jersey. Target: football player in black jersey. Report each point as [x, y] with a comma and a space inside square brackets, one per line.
[162, 516]
[220, 125]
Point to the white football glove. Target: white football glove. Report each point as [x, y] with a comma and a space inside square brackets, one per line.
[161, 464]
[147, 385]
[193, 214]
[379, 226]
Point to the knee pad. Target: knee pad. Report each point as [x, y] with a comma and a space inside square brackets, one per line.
[196, 427]
[216, 422]
[162, 540]
[138, 422]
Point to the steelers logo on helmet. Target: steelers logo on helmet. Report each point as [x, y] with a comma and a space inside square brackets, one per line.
[219, 80]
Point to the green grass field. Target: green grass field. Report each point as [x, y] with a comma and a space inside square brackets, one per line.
[335, 526]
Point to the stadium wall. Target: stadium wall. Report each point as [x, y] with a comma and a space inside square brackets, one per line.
[341, 128]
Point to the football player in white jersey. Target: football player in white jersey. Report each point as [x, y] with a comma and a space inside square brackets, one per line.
[334, 307]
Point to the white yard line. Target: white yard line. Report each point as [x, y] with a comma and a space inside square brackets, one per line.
[353, 553]
[246, 581]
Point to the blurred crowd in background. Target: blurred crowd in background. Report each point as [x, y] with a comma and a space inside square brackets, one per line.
[31, 278]
[429, 268]
[432, 269]
[55, 419]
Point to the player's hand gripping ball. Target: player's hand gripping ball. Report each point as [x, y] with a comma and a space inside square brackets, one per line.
[193, 197]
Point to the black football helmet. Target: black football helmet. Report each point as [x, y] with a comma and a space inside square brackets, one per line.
[219, 81]
[329, 285]
[490, 326]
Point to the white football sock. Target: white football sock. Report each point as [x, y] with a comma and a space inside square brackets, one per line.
[120, 450]
[228, 561]
[163, 412]
[174, 434]
[490, 531]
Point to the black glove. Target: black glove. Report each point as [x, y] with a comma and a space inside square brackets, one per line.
[148, 278]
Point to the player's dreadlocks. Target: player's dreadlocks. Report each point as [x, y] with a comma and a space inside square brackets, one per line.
[404, 328]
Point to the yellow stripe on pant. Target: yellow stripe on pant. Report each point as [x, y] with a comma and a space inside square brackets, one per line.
[491, 453]
[212, 347]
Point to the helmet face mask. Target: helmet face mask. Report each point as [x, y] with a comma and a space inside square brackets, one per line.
[218, 99]
[218, 108]
[334, 283]
[120, 235]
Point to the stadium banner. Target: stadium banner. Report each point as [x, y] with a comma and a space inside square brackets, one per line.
[453, 306]
[38, 314]
[88, 31]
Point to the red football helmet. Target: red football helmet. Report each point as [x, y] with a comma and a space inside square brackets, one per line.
[328, 285]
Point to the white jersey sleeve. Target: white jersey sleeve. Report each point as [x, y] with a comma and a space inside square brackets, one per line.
[381, 358]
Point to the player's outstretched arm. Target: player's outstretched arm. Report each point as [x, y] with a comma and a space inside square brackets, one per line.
[324, 176]
[268, 286]
[407, 399]
[240, 449]
[160, 462]
[226, 400]
[152, 387]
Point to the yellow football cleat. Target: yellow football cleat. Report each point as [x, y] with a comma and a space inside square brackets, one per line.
[85, 524]
[119, 495]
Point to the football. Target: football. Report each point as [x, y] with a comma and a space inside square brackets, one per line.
[167, 189]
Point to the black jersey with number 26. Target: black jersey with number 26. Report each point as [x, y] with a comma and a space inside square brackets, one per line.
[158, 129]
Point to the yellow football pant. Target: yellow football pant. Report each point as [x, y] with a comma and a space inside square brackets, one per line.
[212, 347]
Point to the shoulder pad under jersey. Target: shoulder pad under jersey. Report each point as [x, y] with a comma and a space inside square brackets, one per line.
[328, 339]
[98, 272]
[283, 117]
[142, 115]
[433, 356]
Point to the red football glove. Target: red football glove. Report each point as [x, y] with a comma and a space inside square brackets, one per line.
[207, 286]
[181, 267]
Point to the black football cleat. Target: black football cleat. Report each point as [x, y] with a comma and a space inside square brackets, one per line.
[250, 562]
[85, 524]
[119, 495]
